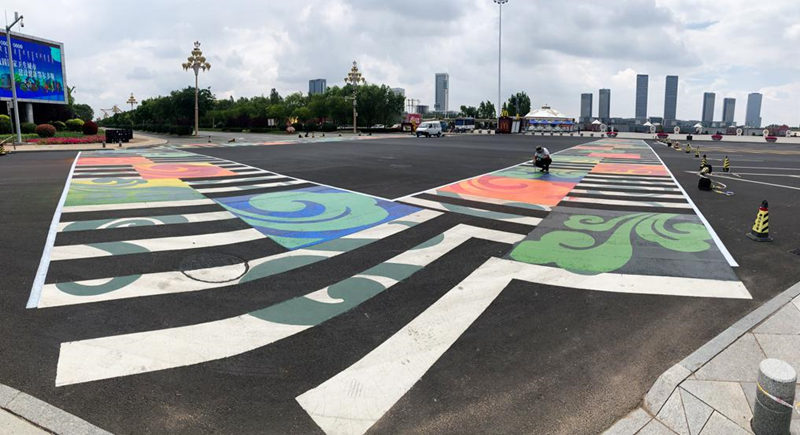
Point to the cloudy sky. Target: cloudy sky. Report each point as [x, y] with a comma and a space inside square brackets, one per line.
[552, 50]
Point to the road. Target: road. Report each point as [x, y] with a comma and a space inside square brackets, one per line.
[408, 292]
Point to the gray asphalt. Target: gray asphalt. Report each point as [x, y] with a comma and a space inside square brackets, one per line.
[540, 360]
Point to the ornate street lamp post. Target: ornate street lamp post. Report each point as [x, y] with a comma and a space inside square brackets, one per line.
[132, 101]
[196, 62]
[354, 78]
[500, 4]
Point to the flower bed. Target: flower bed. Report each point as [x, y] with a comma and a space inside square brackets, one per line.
[662, 135]
[771, 138]
[68, 140]
[611, 134]
[716, 137]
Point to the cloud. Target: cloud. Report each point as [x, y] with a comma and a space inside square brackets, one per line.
[552, 52]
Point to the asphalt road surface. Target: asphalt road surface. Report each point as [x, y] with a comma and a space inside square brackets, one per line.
[449, 325]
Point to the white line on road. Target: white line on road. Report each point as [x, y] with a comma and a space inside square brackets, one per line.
[756, 182]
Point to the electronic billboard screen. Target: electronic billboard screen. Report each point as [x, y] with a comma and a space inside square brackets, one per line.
[38, 69]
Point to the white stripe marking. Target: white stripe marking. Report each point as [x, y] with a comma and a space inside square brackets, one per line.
[231, 180]
[44, 262]
[505, 217]
[623, 202]
[190, 218]
[73, 252]
[136, 205]
[636, 194]
[249, 187]
[593, 179]
[628, 186]
[756, 182]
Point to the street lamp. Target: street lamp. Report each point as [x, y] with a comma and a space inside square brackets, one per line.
[354, 78]
[196, 62]
[132, 100]
[500, 4]
[17, 18]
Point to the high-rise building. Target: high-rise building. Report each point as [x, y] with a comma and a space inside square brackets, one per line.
[728, 107]
[753, 116]
[670, 100]
[604, 105]
[708, 108]
[317, 86]
[442, 92]
[399, 91]
[641, 97]
[586, 108]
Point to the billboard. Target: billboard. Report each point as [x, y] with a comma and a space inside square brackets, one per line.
[38, 69]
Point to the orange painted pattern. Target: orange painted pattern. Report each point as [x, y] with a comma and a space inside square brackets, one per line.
[541, 192]
[98, 161]
[616, 155]
[180, 170]
[625, 168]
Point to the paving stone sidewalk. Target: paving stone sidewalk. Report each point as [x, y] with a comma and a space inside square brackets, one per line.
[21, 413]
[712, 391]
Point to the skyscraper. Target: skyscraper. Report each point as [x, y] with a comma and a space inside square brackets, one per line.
[708, 108]
[317, 86]
[641, 97]
[728, 107]
[604, 105]
[586, 108]
[753, 116]
[442, 92]
[670, 100]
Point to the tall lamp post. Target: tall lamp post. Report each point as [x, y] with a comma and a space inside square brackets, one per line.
[132, 100]
[196, 62]
[354, 78]
[500, 4]
[17, 19]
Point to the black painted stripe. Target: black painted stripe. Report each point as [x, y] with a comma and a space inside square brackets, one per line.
[484, 205]
[85, 168]
[108, 175]
[626, 189]
[259, 191]
[625, 208]
[627, 197]
[634, 176]
[245, 170]
[148, 232]
[153, 262]
[242, 183]
[226, 177]
[654, 183]
[140, 212]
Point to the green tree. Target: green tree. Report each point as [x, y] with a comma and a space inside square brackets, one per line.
[519, 103]
[275, 97]
[486, 110]
[83, 111]
[378, 105]
[470, 111]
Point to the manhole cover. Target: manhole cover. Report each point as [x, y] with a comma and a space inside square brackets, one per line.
[214, 268]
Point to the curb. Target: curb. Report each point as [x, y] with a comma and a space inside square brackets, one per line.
[44, 415]
[146, 144]
[669, 380]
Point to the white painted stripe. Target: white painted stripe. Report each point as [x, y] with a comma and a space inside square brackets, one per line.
[121, 171]
[628, 186]
[190, 218]
[628, 181]
[709, 228]
[504, 217]
[73, 252]
[177, 282]
[259, 171]
[491, 200]
[249, 186]
[135, 205]
[641, 203]
[756, 182]
[636, 194]
[625, 177]
[123, 355]
[44, 262]
[231, 180]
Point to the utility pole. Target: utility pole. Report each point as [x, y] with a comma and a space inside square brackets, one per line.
[500, 4]
[17, 18]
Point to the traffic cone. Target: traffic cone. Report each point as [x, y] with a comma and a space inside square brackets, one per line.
[703, 162]
[760, 230]
[3, 150]
[697, 152]
[726, 164]
[688, 148]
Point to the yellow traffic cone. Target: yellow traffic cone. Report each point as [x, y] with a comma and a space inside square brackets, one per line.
[726, 164]
[688, 148]
[697, 152]
[760, 230]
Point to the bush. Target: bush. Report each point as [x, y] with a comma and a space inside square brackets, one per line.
[5, 124]
[181, 130]
[297, 126]
[45, 130]
[27, 127]
[328, 126]
[60, 126]
[89, 128]
[310, 126]
[74, 124]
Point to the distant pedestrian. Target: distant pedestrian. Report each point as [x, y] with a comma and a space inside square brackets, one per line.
[542, 159]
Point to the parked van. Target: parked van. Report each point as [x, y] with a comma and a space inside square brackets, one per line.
[430, 128]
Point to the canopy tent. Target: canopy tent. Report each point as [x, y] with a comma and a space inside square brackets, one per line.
[546, 115]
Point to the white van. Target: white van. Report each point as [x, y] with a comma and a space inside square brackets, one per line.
[429, 128]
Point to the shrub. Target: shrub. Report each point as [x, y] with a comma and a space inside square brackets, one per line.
[45, 130]
[328, 126]
[297, 126]
[5, 124]
[89, 128]
[310, 126]
[60, 126]
[27, 127]
[74, 124]
[184, 130]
